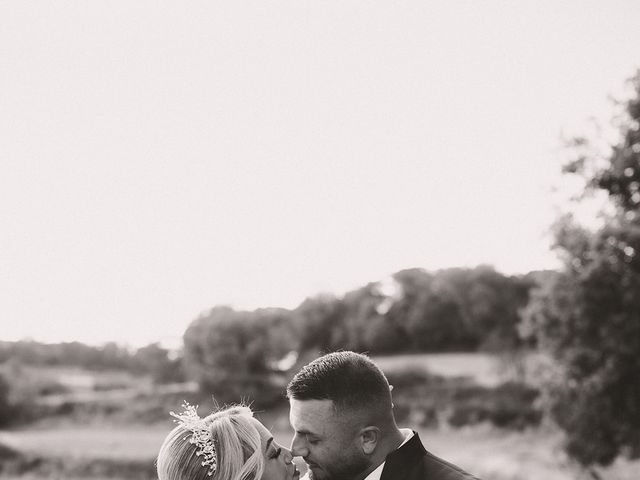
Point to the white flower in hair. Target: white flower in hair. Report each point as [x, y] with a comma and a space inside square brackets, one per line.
[200, 435]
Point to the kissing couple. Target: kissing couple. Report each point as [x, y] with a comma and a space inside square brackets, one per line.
[341, 412]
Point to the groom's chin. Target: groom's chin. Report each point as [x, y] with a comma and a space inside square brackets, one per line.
[314, 473]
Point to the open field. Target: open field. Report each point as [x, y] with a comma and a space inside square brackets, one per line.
[99, 448]
[133, 443]
[484, 368]
[489, 453]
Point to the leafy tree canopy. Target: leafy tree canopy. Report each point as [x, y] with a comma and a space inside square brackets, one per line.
[588, 317]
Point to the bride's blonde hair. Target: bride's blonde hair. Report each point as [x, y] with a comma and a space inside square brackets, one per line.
[237, 444]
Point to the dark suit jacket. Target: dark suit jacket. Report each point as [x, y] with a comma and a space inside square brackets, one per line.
[413, 462]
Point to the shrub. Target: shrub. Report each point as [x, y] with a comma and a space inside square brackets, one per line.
[6, 410]
[510, 405]
[413, 376]
[424, 399]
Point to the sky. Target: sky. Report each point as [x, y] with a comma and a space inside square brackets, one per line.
[158, 158]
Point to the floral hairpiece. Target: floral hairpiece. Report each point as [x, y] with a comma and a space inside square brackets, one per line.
[201, 435]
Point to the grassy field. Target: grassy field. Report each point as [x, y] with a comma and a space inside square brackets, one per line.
[488, 453]
[484, 368]
[124, 451]
[75, 442]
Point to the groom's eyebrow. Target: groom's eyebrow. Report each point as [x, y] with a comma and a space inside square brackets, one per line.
[308, 433]
[268, 443]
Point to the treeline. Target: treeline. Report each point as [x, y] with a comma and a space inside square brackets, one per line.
[456, 309]
[153, 359]
[232, 353]
[415, 310]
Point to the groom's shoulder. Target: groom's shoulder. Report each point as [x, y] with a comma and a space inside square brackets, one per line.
[419, 464]
[436, 468]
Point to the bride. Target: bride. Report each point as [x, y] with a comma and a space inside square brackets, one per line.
[229, 444]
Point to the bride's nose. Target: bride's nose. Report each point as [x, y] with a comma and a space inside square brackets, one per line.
[288, 458]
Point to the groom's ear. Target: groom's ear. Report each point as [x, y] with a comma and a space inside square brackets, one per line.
[369, 437]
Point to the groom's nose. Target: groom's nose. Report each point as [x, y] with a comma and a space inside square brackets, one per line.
[299, 446]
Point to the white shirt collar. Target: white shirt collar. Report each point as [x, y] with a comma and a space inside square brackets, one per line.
[377, 473]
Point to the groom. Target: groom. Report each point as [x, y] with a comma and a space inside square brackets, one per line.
[342, 415]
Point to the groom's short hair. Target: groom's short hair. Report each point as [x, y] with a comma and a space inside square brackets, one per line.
[351, 380]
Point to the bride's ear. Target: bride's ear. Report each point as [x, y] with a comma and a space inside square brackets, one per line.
[369, 436]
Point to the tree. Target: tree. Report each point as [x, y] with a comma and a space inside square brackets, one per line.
[233, 355]
[426, 313]
[435, 323]
[490, 305]
[317, 321]
[411, 287]
[6, 409]
[361, 315]
[588, 317]
[158, 362]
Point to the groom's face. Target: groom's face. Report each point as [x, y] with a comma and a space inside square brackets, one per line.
[328, 441]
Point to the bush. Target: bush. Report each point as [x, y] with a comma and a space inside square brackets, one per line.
[77, 467]
[510, 405]
[426, 400]
[260, 391]
[7, 454]
[19, 389]
[413, 376]
[6, 410]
